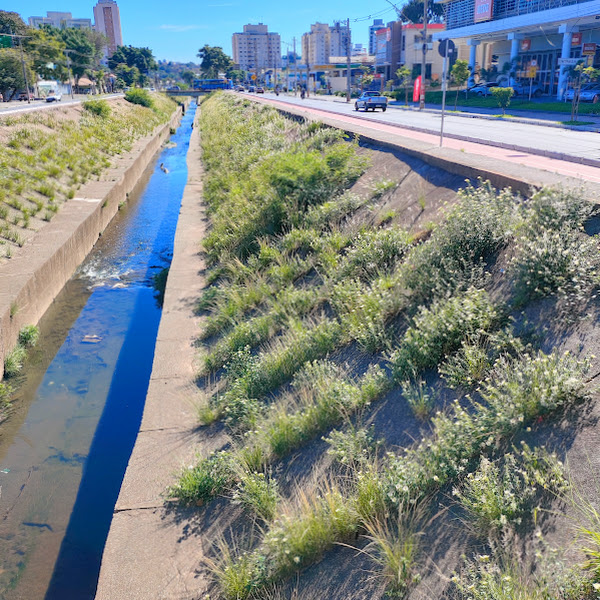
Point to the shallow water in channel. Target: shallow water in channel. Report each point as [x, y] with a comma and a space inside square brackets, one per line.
[65, 447]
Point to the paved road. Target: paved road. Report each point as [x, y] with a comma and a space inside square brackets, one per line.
[537, 138]
[16, 107]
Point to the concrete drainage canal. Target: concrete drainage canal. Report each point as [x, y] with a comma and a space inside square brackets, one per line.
[64, 451]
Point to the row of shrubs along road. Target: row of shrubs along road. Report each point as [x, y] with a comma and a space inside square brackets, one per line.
[398, 400]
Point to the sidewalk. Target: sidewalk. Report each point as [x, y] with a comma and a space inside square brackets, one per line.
[546, 119]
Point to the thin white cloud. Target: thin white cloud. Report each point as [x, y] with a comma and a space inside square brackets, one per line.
[181, 28]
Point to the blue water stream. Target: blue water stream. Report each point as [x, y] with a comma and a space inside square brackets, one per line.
[62, 460]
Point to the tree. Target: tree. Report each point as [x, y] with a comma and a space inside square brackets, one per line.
[403, 74]
[141, 58]
[412, 12]
[130, 76]
[582, 74]
[80, 47]
[503, 96]
[11, 73]
[460, 74]
[45, 49]
[214, 61]
[237, 75]
[188, 77]
[11, 22]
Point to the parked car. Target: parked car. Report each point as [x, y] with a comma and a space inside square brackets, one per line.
[251, 88]
[173, 88]
[54, 97]
[23, 96]
[482, 89]
[260, 90]
[523, 89]
[590, 92]
[371, 101]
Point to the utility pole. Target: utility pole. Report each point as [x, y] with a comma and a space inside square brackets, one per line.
[24, 69]
[21, 38]
[424, 60]
[69, 70]
[295, 70]
[348, 58]
[307, 76]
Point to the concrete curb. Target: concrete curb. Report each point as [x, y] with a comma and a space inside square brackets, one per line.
[30, 281]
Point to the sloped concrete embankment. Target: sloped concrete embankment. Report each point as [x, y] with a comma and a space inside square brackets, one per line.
[153, 552]
[30, 281]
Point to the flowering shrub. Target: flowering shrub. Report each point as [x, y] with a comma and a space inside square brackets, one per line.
[556, 261]
[497, 496]
[455, 255]
[439, 330]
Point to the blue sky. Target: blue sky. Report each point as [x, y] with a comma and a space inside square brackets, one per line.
[176, 29]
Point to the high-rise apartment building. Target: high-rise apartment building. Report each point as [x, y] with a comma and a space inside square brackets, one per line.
[315, 44]
[377, 24]
[61, 20]
[256, 49]
[108, 22]
[323, 41]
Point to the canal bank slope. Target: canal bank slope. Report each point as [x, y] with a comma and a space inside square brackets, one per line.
[31, 280]
[153, 552]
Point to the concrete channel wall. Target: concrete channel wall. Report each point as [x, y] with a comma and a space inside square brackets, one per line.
[30, 281]
[153, 552]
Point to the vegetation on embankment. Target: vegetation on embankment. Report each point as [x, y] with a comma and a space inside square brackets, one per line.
[345, 336]
[48, 155]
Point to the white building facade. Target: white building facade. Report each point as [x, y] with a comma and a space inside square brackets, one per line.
[60, 20]
[377, 24]
[256, 49]
[537, 39]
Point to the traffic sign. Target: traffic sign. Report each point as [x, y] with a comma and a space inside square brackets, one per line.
[253, 77]
[446, 48]
[589, 49]
[531, 72]
[568, 62]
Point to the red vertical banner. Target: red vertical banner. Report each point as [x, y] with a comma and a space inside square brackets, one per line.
[417, 89]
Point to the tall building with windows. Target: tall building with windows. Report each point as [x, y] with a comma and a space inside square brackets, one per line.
[323, 41]
[108, 22]
[61, 20]
[377, 24]
[255, 49]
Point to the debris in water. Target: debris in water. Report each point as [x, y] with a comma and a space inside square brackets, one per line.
[90, 339]
[5, 471]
